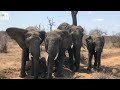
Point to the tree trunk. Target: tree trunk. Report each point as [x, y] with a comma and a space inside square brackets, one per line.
[74, 18]
[50, 28]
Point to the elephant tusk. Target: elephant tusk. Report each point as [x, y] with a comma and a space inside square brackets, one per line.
[72, 45]
[56, 56]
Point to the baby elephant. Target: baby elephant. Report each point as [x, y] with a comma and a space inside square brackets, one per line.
[56, 43]
[42, 69]
[95, 47]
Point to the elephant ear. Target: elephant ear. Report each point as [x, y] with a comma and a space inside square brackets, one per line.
[88, 41]
[42, 35]
[18, 35]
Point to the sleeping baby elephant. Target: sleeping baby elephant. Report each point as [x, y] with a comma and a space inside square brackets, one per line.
[29, 40]
[56, 43]
[42, 68]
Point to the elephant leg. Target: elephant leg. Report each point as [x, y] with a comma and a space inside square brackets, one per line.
[99, 60]
[25, 57]
[95, 62]
[77, 58]
[59, 73]
[71, 61]
[50, 66]
[90, 61]
[32, 68]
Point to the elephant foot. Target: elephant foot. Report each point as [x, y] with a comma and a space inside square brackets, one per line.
[49, 77]
[88, 69]
[72, 68]
[35, 77]
[58, 74]
[55, 69]
[32, 74]
[43, 75]
[95, 67]
[22, 75]
[77, 69]
[98, 69]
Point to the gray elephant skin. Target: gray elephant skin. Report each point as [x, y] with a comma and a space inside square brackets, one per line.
[56, 43]
[74, 52]
[29, 40]
[95, 46]
[42, 67]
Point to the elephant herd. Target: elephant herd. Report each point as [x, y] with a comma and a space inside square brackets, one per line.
[65, 37]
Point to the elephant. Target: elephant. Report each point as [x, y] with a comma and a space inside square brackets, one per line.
[95, 45]
[42, 68]
[56, 43]
[29, 40]
[74, 52]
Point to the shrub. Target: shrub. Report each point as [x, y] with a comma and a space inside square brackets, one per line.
[3, 42]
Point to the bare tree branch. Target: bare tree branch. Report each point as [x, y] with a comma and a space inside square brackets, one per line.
[51, 23]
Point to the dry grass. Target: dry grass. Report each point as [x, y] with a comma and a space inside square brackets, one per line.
[111, 52]
[103, 75]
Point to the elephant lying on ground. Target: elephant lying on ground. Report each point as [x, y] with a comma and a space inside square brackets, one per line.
[56, 43]
[29, 40]
[74, 52]
[42, 68]
[95, 46]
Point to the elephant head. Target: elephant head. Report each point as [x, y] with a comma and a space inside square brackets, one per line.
[29, 40]
[77, 34]
[56, 42]
[95, 46]
[63, 26]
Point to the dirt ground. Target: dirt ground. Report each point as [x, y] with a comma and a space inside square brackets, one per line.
[10, 63]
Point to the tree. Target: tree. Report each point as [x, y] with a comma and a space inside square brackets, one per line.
[115, 39]
[97, 32]
[74, 17]
[51, 23]
[40, 27]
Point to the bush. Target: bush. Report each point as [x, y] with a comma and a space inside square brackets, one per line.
[97, 32]
[3, 45]
[3, 42]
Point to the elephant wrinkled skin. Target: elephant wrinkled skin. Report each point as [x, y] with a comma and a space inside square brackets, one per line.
[56, 42]
[29, 40]
[74, 52]
[95, 46]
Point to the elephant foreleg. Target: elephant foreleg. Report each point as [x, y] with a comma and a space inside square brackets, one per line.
[32, 68]
[50, 66]
[90, 61]
[98, 53]
[25, 57]
[77, 58]
[95, 62]
[58, 72]
[71, 61]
